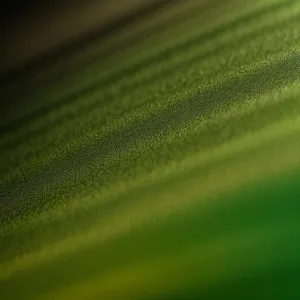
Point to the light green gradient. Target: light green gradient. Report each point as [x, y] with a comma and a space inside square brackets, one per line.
[166, 170]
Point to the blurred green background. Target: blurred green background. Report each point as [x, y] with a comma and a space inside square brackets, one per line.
[152, 153]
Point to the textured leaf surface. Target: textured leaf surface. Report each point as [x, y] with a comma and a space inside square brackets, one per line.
[161, 163]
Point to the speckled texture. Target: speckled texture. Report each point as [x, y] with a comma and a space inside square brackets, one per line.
[163, 164]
